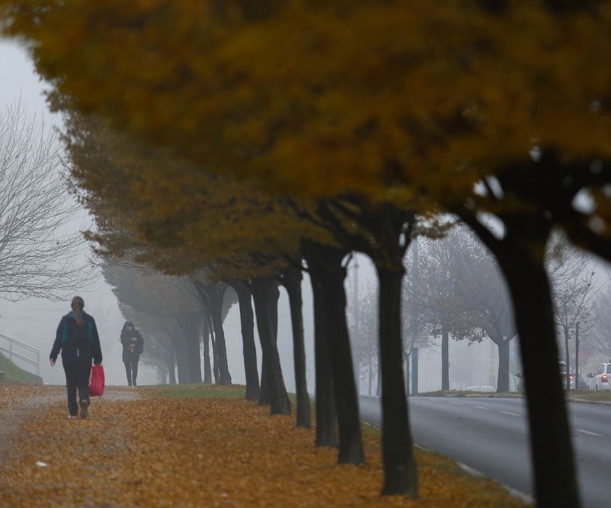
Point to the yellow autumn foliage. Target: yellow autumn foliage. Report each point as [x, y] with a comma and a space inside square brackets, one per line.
[174, 216]
[327, 97]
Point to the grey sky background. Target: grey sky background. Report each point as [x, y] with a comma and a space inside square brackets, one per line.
[18, 78]
[34, 321]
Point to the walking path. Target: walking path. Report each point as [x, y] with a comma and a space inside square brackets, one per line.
[20, 403]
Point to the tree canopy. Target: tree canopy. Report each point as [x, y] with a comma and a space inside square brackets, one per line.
[478, 106]
[243, 87]
[171, 215]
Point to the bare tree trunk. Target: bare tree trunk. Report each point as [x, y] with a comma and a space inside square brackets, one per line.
[249, 350]
[172, 364]
[400, 473]
[291, 279]
[502, 377]
[325, 263]
[378, 376]
[190, 327]
[567, 379]
[406, 372]
[265, 395]
[207, 338]
[264, 291]
[445, 358]
[215, 357]
[211, 296]
[547, 415]
[326, 416]
[182, 362]
[219, 335]
[521, 257]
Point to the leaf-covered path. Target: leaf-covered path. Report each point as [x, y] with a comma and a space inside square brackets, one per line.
[145, 447]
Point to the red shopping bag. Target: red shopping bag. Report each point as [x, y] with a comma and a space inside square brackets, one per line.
[96, 385]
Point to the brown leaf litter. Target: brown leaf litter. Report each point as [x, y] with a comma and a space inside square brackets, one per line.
[164, 451]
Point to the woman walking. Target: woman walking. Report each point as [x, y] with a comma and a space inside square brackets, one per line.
[78, 340]
[133, 344]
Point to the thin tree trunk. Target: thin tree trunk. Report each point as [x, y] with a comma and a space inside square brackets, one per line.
[219, 334]
[400, 472]
[326, 415]
[172, 364]
[193, 344]
[291, 279]
[520, 255]
[248, 339]
[554, 466]
[206, 338]
[211, 296]
[182, 364]
[567, 379]
[264, 290]
[215, 357]
[190, 327]
[378, 376]
[445, 358]
[221, 350]
[502, 378]
[406, 372]
[414, 355]
[327, 266]
[265, 395]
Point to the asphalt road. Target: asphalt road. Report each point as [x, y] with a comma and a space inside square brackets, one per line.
[489, 435]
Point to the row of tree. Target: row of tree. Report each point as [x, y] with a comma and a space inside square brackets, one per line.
[457, 292]
[256, 135]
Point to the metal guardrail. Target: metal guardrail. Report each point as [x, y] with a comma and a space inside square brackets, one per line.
[16, 350]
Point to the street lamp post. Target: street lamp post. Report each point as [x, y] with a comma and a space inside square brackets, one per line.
[577, 356]
[357, 370]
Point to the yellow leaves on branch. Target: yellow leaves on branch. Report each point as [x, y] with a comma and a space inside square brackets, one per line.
[325, 97]
[192, 452]
[161, 200]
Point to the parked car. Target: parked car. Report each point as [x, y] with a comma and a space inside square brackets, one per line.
[582, 385]
[581, 382]
[600, 379]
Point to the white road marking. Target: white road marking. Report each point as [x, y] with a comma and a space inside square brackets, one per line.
[474, 472]
[589, 433]
[510, 413]
[481, 407]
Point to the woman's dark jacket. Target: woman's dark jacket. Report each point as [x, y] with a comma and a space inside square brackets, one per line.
[131, 349]
[77, 342]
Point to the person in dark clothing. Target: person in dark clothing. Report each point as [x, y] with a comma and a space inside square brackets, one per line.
[78, 340]
[133, 345]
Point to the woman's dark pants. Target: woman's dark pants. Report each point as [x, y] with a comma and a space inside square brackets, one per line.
[77, 379]
[131, 369]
